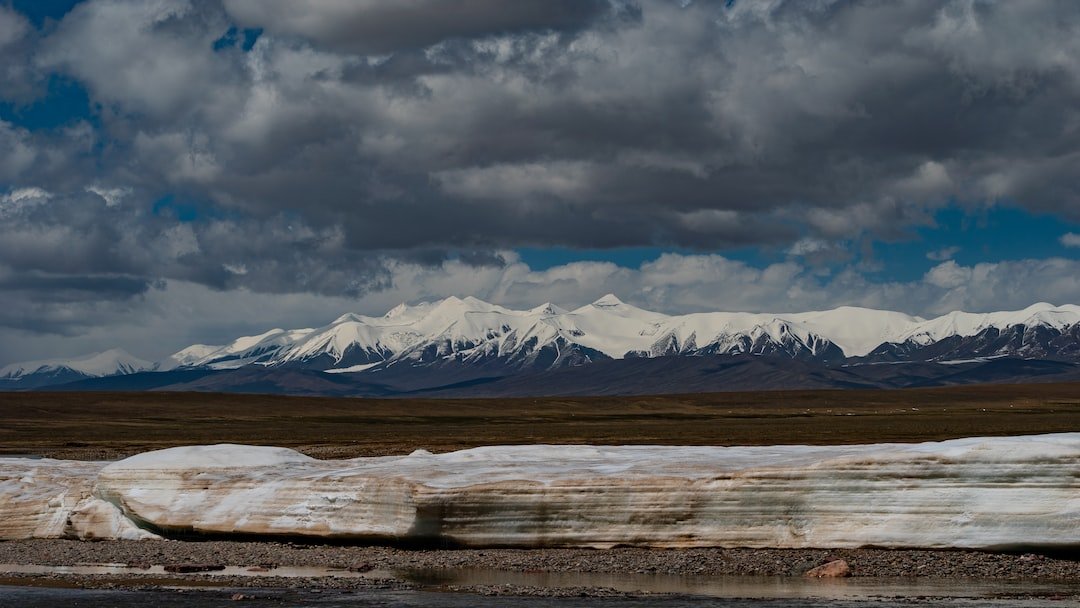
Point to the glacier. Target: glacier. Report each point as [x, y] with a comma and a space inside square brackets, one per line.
[976, 493]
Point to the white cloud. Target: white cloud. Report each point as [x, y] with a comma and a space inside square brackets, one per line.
[945, 253]
[948, 275]
[238, 269]
[808, 245]
[21, 198]
[930, 180]
[112, 196]
[23, 195]
[1070, 239]
[153, 56]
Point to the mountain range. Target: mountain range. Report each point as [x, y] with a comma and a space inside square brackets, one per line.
[466, 347]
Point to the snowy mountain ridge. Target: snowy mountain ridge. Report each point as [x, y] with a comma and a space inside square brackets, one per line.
[108, 363]
[470, 330]
[456, 334]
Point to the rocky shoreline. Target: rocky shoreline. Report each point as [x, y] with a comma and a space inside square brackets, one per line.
[382, 566]
[680, 562]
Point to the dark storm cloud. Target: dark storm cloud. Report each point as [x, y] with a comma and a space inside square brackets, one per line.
[77, 287]
[64, 248]
[354, 137]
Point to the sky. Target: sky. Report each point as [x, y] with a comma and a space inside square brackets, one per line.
[178, 171]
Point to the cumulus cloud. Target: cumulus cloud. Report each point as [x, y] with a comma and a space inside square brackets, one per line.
[551, 123]
[1070, 239]
[153, 58]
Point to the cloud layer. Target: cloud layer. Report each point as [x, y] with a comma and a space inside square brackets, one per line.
[316, 149]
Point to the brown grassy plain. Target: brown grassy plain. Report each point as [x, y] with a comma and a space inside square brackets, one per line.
[111, 425]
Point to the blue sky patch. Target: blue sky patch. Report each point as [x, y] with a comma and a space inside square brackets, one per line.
[244, 38]
[991, 235]
[41, 11]
[65, 101]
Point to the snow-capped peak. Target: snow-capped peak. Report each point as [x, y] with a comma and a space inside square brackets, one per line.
[547, 308]
[108, 363]
[470, 329]
[607, 301]
[454, 304]
[395, 312]
[959, 323]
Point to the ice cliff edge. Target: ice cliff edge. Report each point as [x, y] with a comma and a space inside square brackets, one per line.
[977, 493]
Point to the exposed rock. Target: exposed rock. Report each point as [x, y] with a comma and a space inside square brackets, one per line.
[834, 569]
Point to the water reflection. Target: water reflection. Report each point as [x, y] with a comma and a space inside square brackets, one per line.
[748, 586]
[26, 597]
[710, 586]
[160, 571]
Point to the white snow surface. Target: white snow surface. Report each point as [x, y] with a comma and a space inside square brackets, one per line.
[978, 493]
[469, 327]
[352, 369]
[108, 363]
[238, 353]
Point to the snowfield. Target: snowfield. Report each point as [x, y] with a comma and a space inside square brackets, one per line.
[978, 493]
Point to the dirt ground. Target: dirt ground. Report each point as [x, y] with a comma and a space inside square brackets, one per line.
[112, 425]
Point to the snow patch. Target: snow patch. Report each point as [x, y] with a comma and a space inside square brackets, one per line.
[351, 369]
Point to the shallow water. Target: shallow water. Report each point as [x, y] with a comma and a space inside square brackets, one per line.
[250, 571]
[713, 590]
[30, 597]
[773, 587]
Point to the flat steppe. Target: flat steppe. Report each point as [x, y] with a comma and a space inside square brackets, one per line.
[113, 425]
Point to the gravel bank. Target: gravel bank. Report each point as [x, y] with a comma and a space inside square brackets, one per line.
[709, 562]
